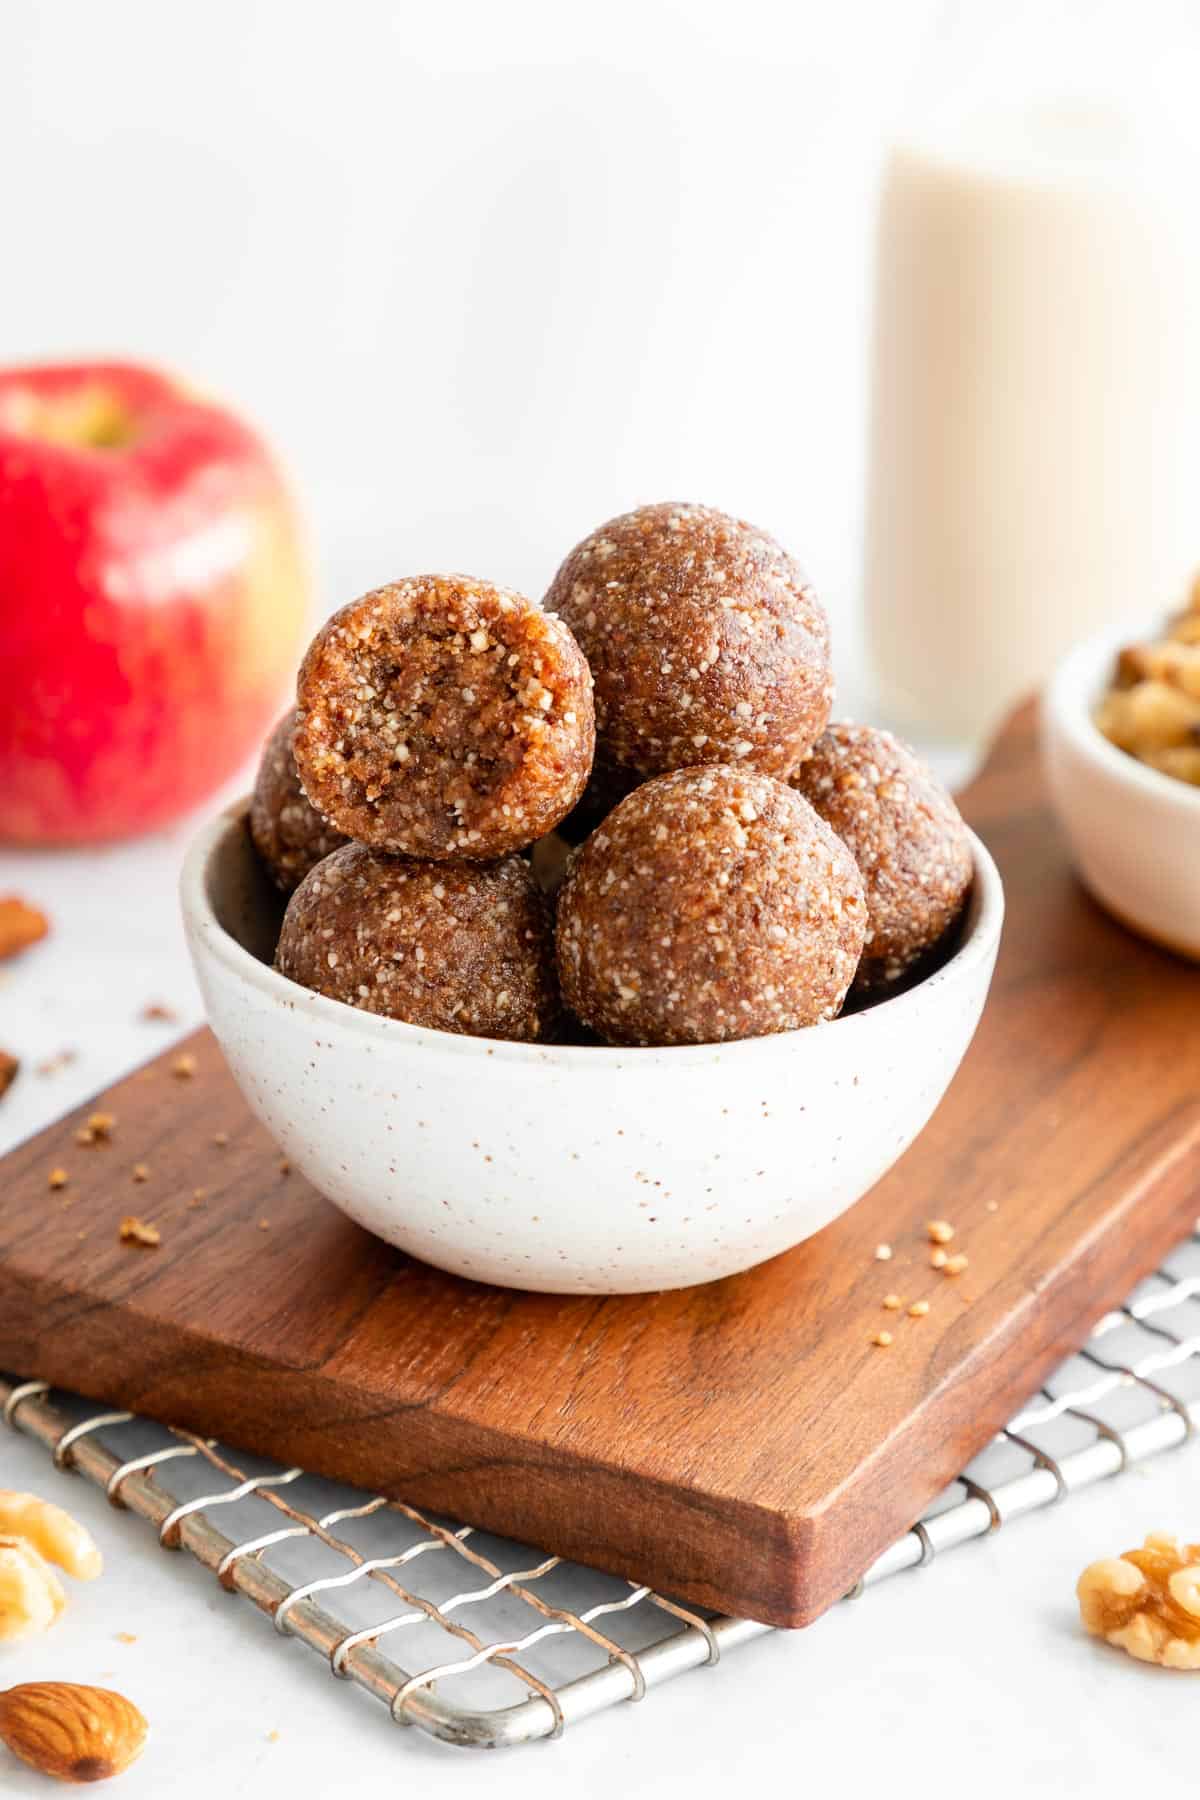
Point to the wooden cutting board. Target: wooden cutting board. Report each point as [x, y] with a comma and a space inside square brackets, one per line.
[742, 1445]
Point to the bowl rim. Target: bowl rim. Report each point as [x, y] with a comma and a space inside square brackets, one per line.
[1075, 688]
[208, 937]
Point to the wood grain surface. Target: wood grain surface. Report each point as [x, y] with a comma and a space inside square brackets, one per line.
[741, 1445]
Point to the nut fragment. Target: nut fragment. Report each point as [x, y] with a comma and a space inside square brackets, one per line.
[72, 1732]
[883, 1253]
[882, 1339]
[940, 1231]
[136, 1231]
[140, 1172]
[1147, 1601]
[892, 1302]
[58, 1178]
[938, 1259]
[954, 1265]
[20, 926]
[184, 1067]
[918, 1309]
[31, 1595]
[52, 1532]
[98, 1130]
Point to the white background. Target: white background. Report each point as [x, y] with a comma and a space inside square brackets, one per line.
[488, 273]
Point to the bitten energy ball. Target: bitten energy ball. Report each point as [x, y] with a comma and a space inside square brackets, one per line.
[706, 642]
[906, 835]
[289, 834]
[442, 716]
[712, 903]
[448, 945]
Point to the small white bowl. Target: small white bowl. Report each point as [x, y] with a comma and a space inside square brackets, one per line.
[1134, 832]
[563, 1168]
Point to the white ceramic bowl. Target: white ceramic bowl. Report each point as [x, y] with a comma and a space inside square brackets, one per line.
[1134, 833]
[568, 1169]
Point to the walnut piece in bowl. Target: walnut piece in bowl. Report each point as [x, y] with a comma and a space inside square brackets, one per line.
[1152, 707]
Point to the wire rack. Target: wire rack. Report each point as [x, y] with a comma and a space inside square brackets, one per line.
[484, 1642]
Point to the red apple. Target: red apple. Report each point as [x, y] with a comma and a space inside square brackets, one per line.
[153, 594]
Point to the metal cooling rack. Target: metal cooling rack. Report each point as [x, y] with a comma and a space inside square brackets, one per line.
[486, 1643]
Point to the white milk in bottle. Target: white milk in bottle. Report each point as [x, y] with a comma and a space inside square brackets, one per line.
[1035, 448]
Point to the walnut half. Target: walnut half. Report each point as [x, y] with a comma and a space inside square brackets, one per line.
[1147, 1601]
[52, 1532]
[31, 1595]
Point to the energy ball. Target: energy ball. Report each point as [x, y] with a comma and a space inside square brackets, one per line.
[907, 837]
[706, 642]
[454, 946]
[289, 834]
[444, 717]
[712, 903]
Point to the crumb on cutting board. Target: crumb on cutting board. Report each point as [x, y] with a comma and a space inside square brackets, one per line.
[137, 1231]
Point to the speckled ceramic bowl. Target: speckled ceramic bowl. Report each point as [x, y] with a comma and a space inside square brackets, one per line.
[573, 1170]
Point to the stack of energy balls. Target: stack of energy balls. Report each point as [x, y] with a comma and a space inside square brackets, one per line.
[739, 866]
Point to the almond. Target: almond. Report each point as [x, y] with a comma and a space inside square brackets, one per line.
[72, 1732]
[20, 926]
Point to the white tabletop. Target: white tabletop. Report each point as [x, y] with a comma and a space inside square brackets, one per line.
[969, 1677]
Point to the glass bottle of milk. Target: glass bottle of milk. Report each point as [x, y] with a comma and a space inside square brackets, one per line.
[1035, 436]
